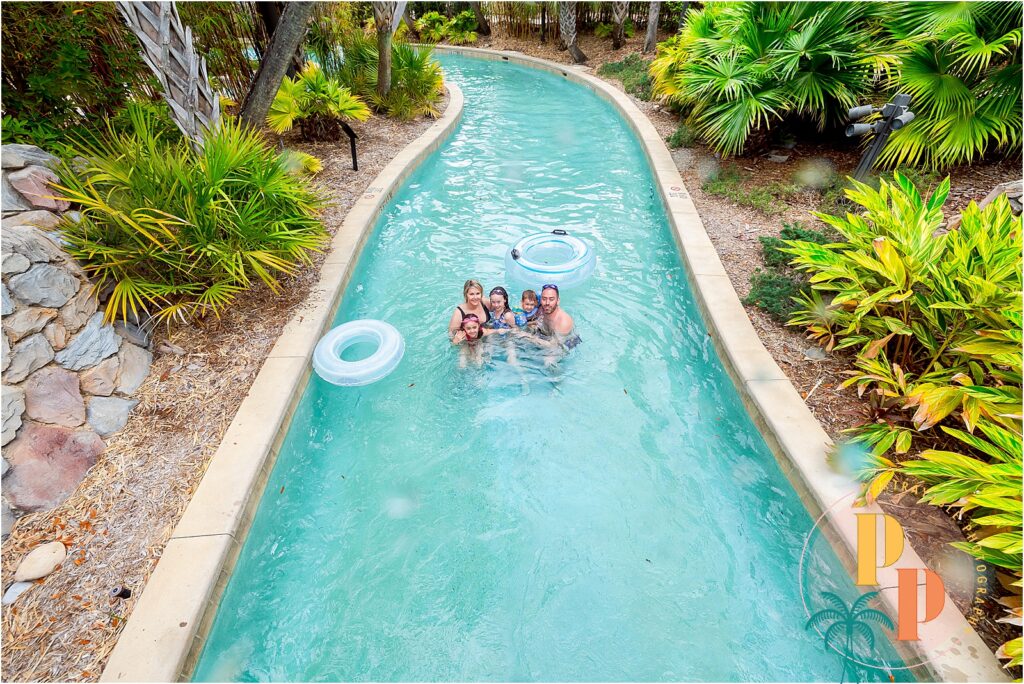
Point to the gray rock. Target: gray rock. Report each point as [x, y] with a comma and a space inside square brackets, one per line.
[45, 285]
[13, 402]
[5, 352]
[18, 156]
[35, 183]
[101, 379]
[815, 354]
[132, 333]
[32, 243]
[778, 158]
[135, 363]
[52, 395]
[18, 588]
[79, 309]
[11, 200]
[14, 264]
[107, 415]
[28, 321]
[30, 354]
[8, 519]
[90, 346]
[6, 303]
[40, 218]
[4, 467]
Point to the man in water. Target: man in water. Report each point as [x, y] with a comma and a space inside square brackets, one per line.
[556, 326]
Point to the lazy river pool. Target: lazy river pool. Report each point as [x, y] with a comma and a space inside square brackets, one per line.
[615, 517]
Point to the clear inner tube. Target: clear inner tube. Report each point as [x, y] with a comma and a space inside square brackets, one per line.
[327, 357]
[554, 257]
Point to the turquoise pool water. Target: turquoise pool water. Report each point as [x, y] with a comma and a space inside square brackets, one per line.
[617, 517]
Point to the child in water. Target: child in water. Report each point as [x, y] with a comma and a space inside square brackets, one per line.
[502, 316]
[529, 309]
[469, 336]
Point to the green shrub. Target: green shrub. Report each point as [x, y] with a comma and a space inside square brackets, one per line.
[603, 30]
[417, 84]
[775, 293]
[461, 29]
[683, 136]
[179, 233]
[317, 102]
[633, 72]
[432, 27]
[735, 187]
[771, 246]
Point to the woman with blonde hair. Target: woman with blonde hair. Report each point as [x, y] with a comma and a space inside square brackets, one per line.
[473, 303]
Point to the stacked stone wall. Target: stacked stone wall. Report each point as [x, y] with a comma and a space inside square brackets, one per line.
[67, 376]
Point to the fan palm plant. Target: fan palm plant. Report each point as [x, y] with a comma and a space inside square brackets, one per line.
[317, 103]
[961, 63]
[179, 232]
[740, 67]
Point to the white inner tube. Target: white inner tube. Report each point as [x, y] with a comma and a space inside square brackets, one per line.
[557, 258]
[331, 367]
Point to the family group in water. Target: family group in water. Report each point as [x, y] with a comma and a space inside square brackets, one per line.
[539, 320]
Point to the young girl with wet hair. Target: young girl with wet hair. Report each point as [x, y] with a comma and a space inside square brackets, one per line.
[502, 316]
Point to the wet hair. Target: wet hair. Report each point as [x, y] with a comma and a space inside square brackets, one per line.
[500, 291]
[530, 294]
[470, 284]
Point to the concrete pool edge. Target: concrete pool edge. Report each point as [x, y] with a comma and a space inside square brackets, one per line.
[794, 435]
[163, 637]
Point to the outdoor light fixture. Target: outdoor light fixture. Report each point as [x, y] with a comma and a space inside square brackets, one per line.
[895, 115]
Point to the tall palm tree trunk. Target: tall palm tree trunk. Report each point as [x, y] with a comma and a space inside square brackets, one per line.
[168, 49]
[567, 25]
[619, 10]
[482, 27]
[291, 28]
[383, 17]
[651, 39]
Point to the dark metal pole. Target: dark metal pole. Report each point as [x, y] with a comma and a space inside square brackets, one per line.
[352, 143]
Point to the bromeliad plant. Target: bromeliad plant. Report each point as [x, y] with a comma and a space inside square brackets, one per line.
[935, 319]
[317, 103]
[176, 233]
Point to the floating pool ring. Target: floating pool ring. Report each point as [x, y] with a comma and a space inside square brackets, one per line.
[331, 367]
[554, 257]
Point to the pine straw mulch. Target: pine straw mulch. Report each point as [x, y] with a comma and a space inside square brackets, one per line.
[117, 522]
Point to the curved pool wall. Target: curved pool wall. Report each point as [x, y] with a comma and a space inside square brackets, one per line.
[484, 642]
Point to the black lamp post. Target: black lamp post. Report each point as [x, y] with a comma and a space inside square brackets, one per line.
[895, 115]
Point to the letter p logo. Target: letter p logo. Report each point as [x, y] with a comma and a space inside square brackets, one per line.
[867, 546]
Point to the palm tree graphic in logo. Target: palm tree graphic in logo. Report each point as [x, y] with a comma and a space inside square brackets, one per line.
[848, 630]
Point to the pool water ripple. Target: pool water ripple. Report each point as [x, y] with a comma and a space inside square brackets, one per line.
[615, 517]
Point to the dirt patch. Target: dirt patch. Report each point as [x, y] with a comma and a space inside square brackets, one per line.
[116, 524]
